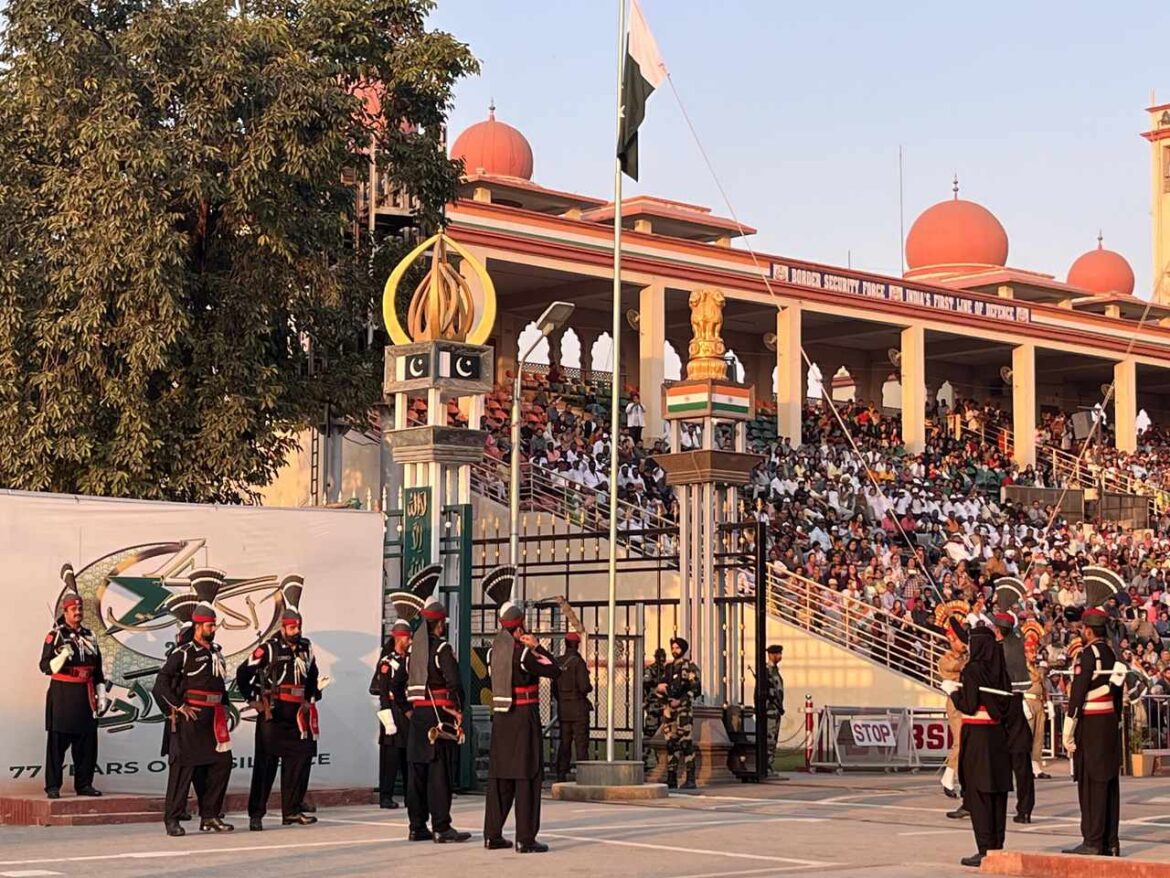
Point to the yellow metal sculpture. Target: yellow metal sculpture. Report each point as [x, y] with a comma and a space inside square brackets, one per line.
[706, 350]
[442, 307]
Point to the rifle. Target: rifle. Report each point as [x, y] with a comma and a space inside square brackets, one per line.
[264, 686]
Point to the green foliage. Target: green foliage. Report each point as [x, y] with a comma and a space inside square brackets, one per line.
[174, 225]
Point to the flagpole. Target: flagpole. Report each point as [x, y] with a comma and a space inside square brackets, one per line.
[615, 397]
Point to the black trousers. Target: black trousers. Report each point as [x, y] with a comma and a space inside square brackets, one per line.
[294, 782]
[391, 760]
[428, 793]
[988, 818]
[211, 783]
[84, 747]
[1100, 812]
[574, 743]
[1025, 782]
[501, 792]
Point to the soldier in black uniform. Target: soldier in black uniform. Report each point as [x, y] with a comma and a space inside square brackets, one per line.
[571, 690]
[516, 761]
[1009, 591]
[281, 681]
[982, 696]
[1091, 727]
[389, 685]
[436, 700]
[73, 663]
[190, 689]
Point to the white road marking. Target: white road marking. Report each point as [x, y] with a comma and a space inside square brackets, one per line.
[27, 873]
[681, 850]
[181, 850]
[935, 832]
[363, 822]
[770, 870]
[667, 824]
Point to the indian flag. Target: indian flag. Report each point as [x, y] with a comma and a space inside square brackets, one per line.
[642, 72]
[719, 399]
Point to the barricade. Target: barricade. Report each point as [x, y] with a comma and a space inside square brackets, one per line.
[865, 738]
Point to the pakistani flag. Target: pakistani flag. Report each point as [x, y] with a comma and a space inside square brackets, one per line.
[643, 72]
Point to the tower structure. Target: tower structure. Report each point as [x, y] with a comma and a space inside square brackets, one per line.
[1159, 138]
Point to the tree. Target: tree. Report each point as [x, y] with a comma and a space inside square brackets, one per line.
[174, 225]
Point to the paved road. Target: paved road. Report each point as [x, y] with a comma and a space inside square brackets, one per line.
[877, 826]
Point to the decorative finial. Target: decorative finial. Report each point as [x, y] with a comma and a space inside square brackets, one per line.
[1100, 240]
[955, 187]
[492, 110]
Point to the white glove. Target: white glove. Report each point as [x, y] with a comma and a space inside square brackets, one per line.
[949, 686]
[386, 718]
[1027, 711]
[103, 702]
[324, 681]
[57, 662]
[1070, 727]
[1117, 677]
[1049, 710]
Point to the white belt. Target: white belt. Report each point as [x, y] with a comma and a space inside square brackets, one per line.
[1097, 693]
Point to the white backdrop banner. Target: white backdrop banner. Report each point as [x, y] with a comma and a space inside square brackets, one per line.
[129, 557]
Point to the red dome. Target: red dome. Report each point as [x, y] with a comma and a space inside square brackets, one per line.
[1102, 271]
[956, 234]
[494, 148]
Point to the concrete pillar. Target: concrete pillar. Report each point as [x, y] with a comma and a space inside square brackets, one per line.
[913, 372]
[869, 380]
[790, 373]
[1125, 404]
[507, 346]
[651, 345]
[554, 347]
[828, 370]
[1024, 404]
[587, 340]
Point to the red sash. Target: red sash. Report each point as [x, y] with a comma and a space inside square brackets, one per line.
[525, 695]
[201, 698]
[79, 674]
[308, 721]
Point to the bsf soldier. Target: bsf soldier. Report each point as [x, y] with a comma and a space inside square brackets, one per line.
[389, 685]
[435, 697]
[571, 690]
[280, 679]
[516, 759]
[950, 668]
[1091, 727]
[1036, 697]
[680, 689]
[190, 689]
[653, 701]
[71, 659]
[775, 699]
[1009, 591]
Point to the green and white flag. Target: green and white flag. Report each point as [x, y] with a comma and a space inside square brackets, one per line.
[643, 72]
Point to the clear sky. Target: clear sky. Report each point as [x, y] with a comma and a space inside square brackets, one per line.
[1038, 105]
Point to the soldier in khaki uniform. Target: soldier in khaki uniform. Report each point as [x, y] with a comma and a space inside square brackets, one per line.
[1036, 696]
[950, 666]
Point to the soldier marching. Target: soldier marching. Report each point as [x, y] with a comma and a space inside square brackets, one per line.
[950, 618]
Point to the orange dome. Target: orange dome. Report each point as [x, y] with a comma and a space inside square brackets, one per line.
[956, 234]
[1102, 271]
[494, 148]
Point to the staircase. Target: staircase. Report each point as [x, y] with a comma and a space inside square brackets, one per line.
[868, 632]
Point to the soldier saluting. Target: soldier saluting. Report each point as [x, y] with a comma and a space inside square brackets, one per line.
[1091, 726]
[435, 696]
[280, 679]
[389, 684]
[73, 663]
[190, 688]
[516, 759]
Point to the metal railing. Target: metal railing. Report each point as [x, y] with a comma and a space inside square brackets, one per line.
[863, 629]
[543, 491]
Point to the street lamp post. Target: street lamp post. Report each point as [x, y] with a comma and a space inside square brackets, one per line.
[554, 317]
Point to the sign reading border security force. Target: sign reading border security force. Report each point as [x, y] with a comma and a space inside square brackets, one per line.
[889, 292]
